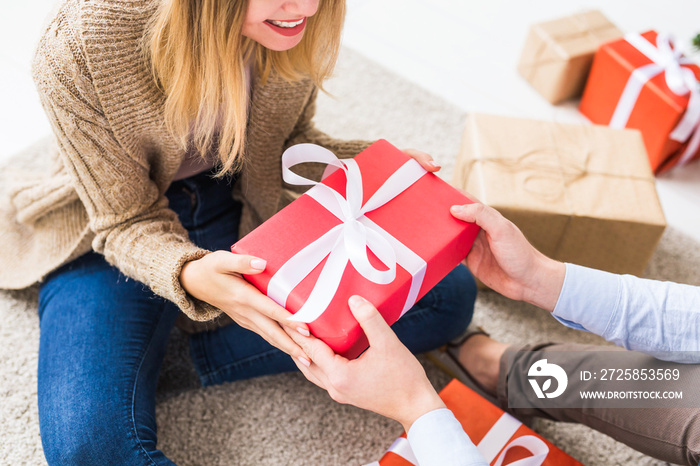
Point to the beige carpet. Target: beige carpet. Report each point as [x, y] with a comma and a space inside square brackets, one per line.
[283, 420]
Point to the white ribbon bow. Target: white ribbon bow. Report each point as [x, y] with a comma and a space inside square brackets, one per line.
[348, 241]
[668, 60]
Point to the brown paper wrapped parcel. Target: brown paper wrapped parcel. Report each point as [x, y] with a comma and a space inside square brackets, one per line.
[580, 193]
[558, 54]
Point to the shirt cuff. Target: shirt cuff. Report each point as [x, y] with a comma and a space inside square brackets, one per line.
[588, 300]
[437, 438]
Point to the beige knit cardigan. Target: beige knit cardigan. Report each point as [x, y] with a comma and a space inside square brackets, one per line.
[103, 184]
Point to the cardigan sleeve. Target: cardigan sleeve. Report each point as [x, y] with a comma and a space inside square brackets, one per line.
[134, 228]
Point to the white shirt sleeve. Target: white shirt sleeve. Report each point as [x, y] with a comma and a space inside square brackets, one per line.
[437, 439]
[650, 316]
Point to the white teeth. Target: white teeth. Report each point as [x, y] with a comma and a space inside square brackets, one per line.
[286, 24]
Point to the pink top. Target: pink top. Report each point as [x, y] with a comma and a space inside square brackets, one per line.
[193, 163]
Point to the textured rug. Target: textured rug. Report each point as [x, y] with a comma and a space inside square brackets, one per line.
[284, 420]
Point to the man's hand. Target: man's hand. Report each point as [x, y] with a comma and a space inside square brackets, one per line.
[386, 379]
[506, 262]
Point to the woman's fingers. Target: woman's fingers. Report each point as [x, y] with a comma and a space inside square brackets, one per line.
[309, 376]
[320, 353]
[425, 160]
[311, 371]
[324, 362]
[276, 336]
[265, 316]
[216, 279]
[228, 262]
[274, 311]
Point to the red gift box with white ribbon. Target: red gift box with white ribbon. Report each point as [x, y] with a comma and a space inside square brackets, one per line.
[644, 82]
[378, 226]
[500, 438]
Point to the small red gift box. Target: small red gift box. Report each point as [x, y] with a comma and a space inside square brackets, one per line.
[499, 437]
[380, 227]
[643, 82]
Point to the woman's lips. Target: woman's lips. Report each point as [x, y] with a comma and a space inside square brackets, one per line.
[287, 31]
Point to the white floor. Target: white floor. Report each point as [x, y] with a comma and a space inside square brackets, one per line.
[463, 50]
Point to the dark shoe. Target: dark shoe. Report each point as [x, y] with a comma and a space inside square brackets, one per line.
[446, 358]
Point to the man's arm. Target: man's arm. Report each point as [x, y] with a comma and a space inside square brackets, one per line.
[660, 318]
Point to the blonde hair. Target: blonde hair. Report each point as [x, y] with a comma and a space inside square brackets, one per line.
[199, 56]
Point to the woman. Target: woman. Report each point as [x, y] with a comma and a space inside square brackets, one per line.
[148, 101]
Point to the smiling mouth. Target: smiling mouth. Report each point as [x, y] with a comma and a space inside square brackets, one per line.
[286, 24]
[287, 28]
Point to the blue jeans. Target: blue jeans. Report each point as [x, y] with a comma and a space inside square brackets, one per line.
[103, 339]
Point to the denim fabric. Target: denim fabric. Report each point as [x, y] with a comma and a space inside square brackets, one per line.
[103, 337]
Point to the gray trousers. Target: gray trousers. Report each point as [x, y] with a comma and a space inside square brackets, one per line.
[669, 434]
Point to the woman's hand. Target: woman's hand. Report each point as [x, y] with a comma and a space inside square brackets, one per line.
[506, 262]
[386, 379]
[425, 160]
[217, 279]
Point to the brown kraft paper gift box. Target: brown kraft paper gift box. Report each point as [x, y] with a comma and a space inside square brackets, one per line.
[558, 54]
[580, 193]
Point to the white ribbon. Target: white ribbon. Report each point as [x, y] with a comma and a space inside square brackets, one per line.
[535, 445]
[348, 241]
[668, 60]
[498, 436]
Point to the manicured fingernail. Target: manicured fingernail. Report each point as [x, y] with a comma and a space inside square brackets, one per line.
[434, 164]
[303, 331]
[258, 264]
[304, 361]
[356, 301]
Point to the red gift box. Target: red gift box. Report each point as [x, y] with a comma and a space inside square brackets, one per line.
[643, 82]
[311, 246]
[498, 436]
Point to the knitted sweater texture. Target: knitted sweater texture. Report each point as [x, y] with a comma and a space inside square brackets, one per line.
[101, 183]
